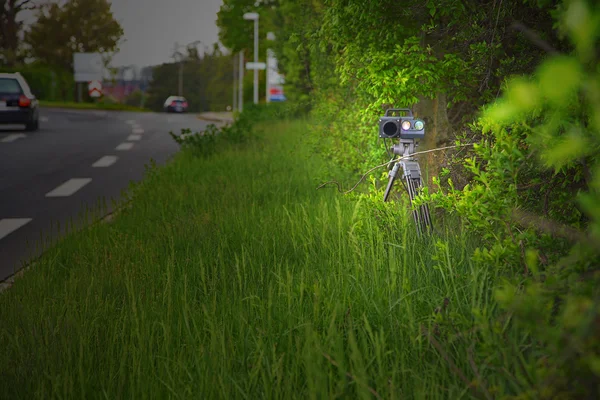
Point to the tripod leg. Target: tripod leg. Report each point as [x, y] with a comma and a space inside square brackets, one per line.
[421, 215]
[392, 174]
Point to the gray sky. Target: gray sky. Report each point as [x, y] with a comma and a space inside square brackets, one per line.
[153, 26]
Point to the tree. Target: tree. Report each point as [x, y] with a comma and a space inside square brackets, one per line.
[10, 28]
[76, 26]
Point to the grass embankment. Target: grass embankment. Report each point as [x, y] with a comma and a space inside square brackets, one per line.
[92, 106]
[232, 277]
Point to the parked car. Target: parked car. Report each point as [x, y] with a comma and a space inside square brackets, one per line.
[18, 105]
[176, 104]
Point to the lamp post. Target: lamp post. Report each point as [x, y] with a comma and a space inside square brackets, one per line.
[252, 16]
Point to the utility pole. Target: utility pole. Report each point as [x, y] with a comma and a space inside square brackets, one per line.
[234, 82]
[181, 60]
[175, 54]
[241, 88]
[181, 76]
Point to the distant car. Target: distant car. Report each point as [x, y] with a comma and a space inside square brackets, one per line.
[18, 105]
[176, 104]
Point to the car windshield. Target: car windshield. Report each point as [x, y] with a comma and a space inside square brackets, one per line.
[9, 86]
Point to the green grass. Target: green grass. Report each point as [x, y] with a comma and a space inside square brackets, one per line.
[232, 277]
[92, 106]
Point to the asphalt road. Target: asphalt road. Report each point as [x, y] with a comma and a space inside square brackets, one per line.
[77, 158]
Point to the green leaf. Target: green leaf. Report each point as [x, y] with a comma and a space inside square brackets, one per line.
[523, 94]
[583, 26]
[569, 148]
[502, 112]
[559, 80]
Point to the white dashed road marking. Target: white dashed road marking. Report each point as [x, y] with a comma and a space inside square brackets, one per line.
[13, 137]
[134, 137]
[124, 146]
[69, 187]
[138, 130]
[130, 122]
[44, 119]
[105, 161]
[9, 225]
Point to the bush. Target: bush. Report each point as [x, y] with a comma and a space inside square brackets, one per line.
[534, 199]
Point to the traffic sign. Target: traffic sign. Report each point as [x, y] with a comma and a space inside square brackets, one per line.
[256, 65]
[95, 89]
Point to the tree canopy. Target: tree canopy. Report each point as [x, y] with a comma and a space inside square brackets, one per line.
[75, 26]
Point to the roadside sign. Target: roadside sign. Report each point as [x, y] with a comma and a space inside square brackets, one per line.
[276, 93]
[88, 67]
[275, 80]
[95, 89]
[258, 65]
[251, 16]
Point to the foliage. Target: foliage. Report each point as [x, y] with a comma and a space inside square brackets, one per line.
[235, 32]
[534, 199]
[134, 99]
[349, 58]
[213, 138]
[75, 26]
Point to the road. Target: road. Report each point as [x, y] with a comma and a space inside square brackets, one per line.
[50, 177]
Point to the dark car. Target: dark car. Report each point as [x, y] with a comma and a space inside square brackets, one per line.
[18, 105]
[176, 104]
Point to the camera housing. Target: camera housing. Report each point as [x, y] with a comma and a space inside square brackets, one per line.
[402, 127]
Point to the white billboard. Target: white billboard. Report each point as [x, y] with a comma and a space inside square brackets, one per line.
[88, 67]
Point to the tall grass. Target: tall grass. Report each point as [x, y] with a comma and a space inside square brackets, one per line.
[232, 277]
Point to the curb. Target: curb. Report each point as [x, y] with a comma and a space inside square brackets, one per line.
[215, 119]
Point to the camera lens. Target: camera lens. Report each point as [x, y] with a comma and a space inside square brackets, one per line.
[406, 125]
[419, 125]
[390, 128]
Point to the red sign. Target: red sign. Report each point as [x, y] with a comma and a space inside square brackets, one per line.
[95, 89]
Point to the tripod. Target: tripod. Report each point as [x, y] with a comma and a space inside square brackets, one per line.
[411, 179]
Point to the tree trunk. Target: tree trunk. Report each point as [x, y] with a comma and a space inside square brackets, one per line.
[437, 130]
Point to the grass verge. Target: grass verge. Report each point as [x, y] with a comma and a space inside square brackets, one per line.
[92, 106]
[232, 277]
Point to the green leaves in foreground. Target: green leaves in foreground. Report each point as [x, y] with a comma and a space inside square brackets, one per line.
[541, 154]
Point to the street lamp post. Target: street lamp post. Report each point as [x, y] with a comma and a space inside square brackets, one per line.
[254, 17]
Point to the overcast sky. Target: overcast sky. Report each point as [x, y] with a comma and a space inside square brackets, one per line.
[153, 26]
